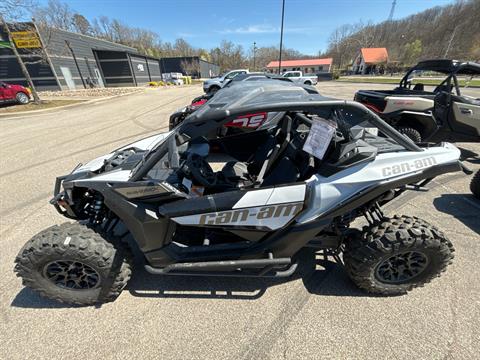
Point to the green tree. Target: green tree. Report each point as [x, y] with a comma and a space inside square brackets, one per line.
[412, 52]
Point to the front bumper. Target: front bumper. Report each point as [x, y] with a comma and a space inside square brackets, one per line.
[59, 200]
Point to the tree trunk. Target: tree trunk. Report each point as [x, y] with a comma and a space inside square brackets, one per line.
[36, 98]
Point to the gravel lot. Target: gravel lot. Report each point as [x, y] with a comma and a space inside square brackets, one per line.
[320, 316]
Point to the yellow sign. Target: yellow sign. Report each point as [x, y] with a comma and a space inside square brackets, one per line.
[26, 39]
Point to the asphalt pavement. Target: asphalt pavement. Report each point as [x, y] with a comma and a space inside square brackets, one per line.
[319, 316]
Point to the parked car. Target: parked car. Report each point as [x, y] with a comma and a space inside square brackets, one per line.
[14, 93]
[443, 114]
[296, 186]
[215, 84]
[299, 77]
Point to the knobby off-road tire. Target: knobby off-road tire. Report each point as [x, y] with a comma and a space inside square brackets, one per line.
[417, 251]
[475, 185]
[74, 264]
[413, 134]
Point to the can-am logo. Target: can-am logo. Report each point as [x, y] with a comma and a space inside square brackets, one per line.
[236, 217]
[251, 121]
[408, 166]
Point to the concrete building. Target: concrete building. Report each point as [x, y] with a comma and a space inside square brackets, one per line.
[190, 65]
[370, 61]
[309, 66]
[58, 59]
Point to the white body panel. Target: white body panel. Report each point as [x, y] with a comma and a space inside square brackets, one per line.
[267, 208]
[395, 103]
[331, 191]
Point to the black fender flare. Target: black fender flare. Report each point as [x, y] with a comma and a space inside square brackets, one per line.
[424, 122]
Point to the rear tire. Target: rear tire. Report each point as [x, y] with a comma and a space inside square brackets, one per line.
[22, 98]
[475, 185]
[412, 133]
[397, 254]
[308, 83]
[74, 264]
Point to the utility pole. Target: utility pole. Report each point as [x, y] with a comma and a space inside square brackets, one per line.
[281, 40]
[254, 48]
[450, 42]
[23, 68]
[392, 10]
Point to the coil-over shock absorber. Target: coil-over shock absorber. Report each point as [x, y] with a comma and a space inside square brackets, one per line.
[97, 209]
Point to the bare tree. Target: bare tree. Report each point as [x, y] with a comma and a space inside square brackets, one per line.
[12, 10]
[55, 14]
[81, 24]
[190, 67]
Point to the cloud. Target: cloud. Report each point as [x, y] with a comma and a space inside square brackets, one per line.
[187, 35]
[262, 29]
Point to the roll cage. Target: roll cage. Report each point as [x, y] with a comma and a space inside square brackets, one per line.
[450, 68]
[238, 101]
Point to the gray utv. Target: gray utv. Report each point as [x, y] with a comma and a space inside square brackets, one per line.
[301, 186]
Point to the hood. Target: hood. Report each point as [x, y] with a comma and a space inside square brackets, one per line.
[17, 87]
[140, 147]
[215, 79]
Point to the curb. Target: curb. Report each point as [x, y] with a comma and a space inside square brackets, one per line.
[81, 102]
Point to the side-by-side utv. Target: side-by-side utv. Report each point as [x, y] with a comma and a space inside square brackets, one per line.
[443, 114]
[301, 184]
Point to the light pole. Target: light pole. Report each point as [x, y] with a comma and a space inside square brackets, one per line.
[254, 49]
[281, 39]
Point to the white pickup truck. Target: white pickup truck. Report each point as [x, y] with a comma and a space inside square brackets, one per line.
[215, 84]
[298, 77]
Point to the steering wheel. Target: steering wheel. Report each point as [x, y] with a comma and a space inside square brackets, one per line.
[201, 170]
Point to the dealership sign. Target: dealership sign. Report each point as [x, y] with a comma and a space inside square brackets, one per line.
[26, 39]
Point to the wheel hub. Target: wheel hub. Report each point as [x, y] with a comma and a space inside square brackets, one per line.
[72, 275]
[401, 268]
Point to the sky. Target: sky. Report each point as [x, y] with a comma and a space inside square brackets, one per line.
[204, 23]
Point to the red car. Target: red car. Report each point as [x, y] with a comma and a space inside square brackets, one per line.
[14, 93]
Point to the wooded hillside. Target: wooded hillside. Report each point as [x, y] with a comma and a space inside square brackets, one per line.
[451, 31]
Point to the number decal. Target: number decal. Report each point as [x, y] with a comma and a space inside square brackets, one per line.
[250, 121]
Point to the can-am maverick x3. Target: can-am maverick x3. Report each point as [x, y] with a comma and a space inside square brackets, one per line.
[326, 163]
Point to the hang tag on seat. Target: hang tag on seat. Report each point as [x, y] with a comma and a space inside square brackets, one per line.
[319, 137]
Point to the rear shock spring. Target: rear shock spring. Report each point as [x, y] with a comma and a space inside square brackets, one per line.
[97, 209]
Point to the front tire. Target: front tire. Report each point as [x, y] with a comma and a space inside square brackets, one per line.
[397, 254]
[213, 90]
[412, 133]
[22, 98]
[74, 264]
[475, 185]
